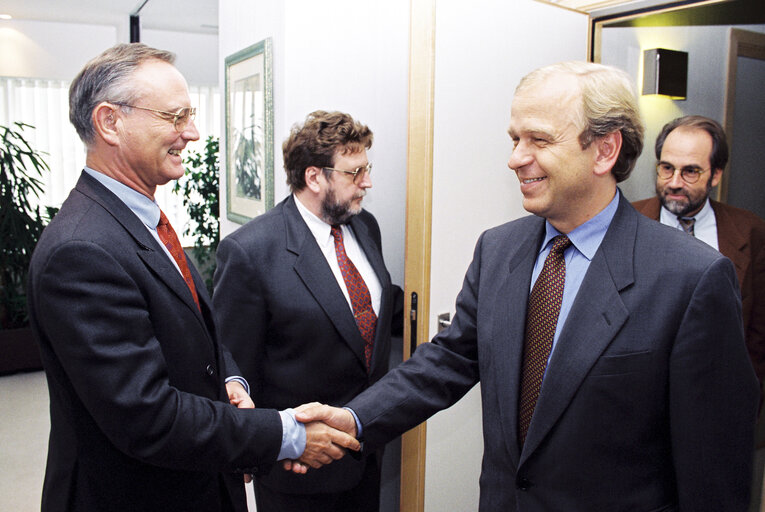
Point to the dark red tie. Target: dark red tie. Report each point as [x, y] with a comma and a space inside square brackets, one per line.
[361, 300]
[170, 239]
[541, 321]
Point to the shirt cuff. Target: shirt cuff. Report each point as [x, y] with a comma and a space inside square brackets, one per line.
[356, 419]
[240, 380]
[293, 436]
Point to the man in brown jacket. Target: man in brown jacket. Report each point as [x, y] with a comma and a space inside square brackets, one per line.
[691, 154]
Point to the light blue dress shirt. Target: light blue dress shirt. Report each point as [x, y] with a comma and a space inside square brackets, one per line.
[585, 240]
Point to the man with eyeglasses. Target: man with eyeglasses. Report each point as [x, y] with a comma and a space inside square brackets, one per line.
[306, 305]
[692, 152]
[148, 409]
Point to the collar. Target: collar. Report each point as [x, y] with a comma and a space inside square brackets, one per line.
[703, 216]
[144, 208]
[588, 236]
[321, 230]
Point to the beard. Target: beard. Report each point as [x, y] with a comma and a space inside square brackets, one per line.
[335, 212]
[690, 206]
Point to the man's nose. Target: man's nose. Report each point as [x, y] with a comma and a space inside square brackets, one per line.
[190, 132]
[519, 157]
[365, 180]
[676, 181]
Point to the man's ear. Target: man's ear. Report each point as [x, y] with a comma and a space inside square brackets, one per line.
[716, 176]
[607, 151]
[313, 175]
[105, 120]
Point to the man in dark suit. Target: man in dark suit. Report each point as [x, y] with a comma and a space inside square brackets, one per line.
[288, 312]
[648, 399]
[691, 154]
[140, 418]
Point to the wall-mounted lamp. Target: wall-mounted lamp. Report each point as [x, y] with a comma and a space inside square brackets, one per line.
[665, 72]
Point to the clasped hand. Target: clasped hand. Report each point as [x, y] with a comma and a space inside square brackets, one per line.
[330, 431]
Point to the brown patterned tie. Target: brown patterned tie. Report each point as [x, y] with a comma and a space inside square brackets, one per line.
[541, 320]
[170, 239]
[687, 224]
[361, 299]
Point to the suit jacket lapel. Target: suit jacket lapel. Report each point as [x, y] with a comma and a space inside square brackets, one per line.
[148, 248]
[731, 242]
[311, 266]
[595, 318]
[508, 325]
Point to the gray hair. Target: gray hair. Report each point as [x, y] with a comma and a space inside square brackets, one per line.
[609, 104]
[107, 78]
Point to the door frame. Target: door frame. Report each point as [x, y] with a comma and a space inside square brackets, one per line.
[741, 43]
[419, 197]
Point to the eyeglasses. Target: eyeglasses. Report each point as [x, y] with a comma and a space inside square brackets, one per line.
[181, 118]
[690, 173]
[357, 173]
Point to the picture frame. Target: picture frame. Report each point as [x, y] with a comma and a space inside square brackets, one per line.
[249, 132]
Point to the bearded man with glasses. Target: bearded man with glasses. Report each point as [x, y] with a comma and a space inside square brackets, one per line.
[305, 303]
[692, 152]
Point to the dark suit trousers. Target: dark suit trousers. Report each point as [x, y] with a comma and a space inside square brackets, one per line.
[365, 497]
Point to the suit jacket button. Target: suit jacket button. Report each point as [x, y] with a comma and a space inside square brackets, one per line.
[210, 370]
[523, 484]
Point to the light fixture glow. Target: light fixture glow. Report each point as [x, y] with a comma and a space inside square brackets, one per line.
[6, 17]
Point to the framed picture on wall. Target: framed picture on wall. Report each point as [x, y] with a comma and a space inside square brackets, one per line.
[249, 132]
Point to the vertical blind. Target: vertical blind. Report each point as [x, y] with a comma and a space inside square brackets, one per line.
[44, 104]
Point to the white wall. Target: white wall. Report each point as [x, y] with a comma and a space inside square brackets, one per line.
[42, 49]
[196, 54]
[483, 48]
[707, 48]
[336, 55]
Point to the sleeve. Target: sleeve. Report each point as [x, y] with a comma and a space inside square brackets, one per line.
[99, 326]
[713, 398]
[434, 378]
[240, 311]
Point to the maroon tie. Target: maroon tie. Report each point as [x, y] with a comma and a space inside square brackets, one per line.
[361, 300]
[170, 239]
[541, 320]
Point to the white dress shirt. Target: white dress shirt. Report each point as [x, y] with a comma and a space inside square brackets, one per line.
[322, 233]
[705, 228]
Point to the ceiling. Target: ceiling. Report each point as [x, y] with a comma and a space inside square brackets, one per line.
[176, 15]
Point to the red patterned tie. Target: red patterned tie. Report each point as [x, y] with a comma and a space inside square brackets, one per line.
[170, 239]
[361, 300]
[541, 320]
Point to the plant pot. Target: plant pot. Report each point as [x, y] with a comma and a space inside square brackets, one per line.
[18, 351]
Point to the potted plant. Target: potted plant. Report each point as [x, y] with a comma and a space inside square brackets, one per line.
[21, 224]
[200, 190]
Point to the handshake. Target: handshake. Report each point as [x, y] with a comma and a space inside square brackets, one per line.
[329, 432]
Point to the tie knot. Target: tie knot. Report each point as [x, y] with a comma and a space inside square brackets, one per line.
[336, 232]
[687, 221]
[162, 219]
[560, 244]
[687, 224]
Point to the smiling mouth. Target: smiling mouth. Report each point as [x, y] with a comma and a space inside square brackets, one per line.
[533, 180]
[176, 152]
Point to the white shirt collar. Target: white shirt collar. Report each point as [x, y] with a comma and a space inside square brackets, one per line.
[321, 230]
